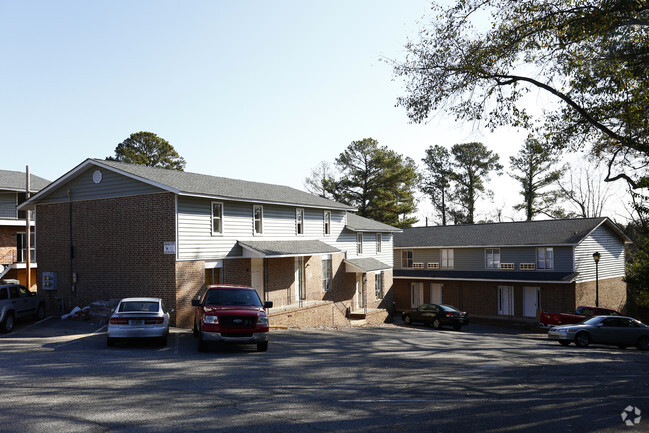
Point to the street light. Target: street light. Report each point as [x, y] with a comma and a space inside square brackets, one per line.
[596, 257]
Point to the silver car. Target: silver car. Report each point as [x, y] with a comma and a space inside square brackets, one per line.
[615, 330]
[139, 318]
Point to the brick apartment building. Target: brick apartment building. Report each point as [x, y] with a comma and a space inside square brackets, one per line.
[109, 230]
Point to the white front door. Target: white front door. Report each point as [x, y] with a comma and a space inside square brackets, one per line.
[506, 300]
[416, 294]
[257, 276]
[435, 293]
[531, 301]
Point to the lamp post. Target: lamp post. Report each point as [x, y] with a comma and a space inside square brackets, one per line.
[596, 257]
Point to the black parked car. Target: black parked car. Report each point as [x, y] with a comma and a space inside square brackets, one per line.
[437, 316]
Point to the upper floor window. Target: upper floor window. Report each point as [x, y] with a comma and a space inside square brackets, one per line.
[258, 219]
[359, 243]
[406, 259]
[493, 258]
[299, 221]
[544, 258]
[447, 258]
[327, 222]
[379, 241]
[217, 218]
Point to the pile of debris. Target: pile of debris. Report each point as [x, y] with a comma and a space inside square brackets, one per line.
[98, 311]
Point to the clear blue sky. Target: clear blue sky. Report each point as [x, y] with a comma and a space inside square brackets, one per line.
[256, 90]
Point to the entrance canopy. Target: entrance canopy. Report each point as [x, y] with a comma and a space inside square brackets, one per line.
[365, 265]
[276, 249]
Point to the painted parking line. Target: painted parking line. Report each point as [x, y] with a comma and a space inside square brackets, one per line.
[75, 338]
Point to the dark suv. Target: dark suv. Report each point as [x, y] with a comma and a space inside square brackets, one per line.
[17, 302]
[231, 314]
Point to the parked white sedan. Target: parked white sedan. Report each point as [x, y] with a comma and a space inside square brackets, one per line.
[139, 318]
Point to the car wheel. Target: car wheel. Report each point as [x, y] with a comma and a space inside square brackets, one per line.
[8, 324]
[110, 341]
[582, 339]
[436, 323]
[407, 320]
[40, 311]
[564, 342]
[202, 344]
[262, 347]
[643, 343]
[195, 330]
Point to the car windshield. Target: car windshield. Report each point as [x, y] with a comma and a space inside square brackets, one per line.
[592, 320]
[138, 306]
[233, 297]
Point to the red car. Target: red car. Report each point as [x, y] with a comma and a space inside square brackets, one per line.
[231, 314]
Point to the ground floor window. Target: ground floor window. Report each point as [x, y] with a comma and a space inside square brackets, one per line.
[378, 285]
[326, 273]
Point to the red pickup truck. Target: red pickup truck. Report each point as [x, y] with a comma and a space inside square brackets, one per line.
[548, 320]
[231, 314]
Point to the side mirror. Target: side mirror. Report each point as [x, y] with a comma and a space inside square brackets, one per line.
[268, 304]
[196, 302]
[171, 310]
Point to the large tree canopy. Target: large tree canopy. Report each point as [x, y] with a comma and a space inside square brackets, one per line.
[591, 56]
[146, 148]
[378, 181]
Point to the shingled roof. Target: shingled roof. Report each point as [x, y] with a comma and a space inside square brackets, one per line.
[202, 185]
[358, 223]
[17, 181]
[524, 233]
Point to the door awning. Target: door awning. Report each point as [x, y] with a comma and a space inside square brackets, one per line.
[365, 265]
[276, 249]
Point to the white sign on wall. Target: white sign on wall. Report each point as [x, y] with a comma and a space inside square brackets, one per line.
[170, 247]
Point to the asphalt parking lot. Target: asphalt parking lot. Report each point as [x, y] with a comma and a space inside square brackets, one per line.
[60, 376]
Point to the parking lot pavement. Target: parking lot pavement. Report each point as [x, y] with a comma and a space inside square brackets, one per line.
[60, 375]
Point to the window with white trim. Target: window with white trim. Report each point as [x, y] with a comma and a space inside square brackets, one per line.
[359, 243]
[217, 218]
[327, 222]
[326, 273]
[406, 259]
[447, 257]
[492, 256]
[379, 241]
[258, 219]
[378, 285]
[545, 258]
[299, 221]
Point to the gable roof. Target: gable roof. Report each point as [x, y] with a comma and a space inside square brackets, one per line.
[201, 185]
[17, 181]
[358, 223]
[524, 233]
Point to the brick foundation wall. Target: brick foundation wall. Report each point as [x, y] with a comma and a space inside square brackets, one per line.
[612, 294]
[118, 248]
[190, 278]
[326, 314]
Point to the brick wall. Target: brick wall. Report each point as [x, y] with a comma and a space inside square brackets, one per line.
[236, 271]
[190, 278]
[612, 294]
[118, 248]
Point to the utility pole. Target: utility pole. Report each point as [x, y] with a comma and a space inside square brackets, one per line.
[28, 235]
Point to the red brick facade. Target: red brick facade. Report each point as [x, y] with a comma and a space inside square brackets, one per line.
[480, 299]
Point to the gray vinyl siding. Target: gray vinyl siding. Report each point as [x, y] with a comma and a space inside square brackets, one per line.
[611, 249]
[82, 187]
[8, 202]
[474, 259]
